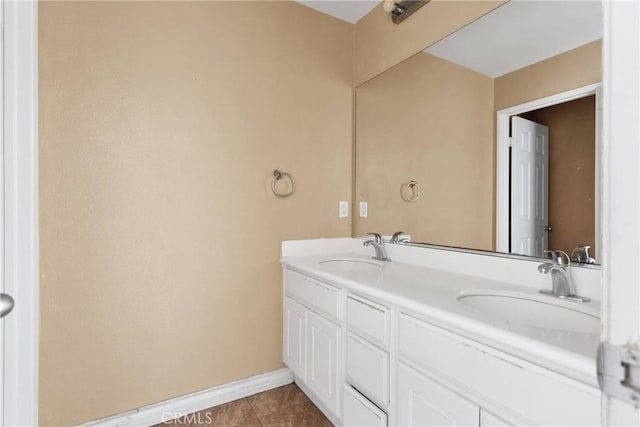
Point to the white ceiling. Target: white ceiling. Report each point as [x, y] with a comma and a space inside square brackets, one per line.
[347, 10]
[521, 33]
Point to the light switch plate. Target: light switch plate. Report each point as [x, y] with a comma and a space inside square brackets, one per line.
[363, 209]
[344, 209]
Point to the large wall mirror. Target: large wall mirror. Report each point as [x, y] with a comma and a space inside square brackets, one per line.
[488, 139]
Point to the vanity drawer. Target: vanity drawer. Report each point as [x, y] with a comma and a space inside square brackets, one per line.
[325, 298]
[368, 319]
[358, 411]
[367, 369]
[523, 389]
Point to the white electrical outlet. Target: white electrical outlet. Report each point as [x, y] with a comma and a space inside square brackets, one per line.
[344, 209]
[363, 209]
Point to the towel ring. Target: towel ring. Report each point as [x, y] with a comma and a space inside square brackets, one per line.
[280, 175]
[411, 191]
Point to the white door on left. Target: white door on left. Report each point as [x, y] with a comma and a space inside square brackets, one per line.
[6, 306]
[6, 302]
[19, 211]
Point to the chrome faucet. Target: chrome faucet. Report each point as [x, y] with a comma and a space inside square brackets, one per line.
[581, 254]
[396, 237]
[562, 285]
[378, 244]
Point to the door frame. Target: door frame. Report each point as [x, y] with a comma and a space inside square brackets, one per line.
[20, 170]
[503, 142]
[621, 189]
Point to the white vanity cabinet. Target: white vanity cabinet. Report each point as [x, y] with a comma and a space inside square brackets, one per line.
[312, 337]
[371, 362]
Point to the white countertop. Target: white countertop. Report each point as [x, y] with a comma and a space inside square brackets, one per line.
[431, 294]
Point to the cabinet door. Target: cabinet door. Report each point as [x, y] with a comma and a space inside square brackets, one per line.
[323, 340]
[424, 402]
[294, 338]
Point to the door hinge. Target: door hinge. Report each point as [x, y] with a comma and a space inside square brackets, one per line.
[619, 372]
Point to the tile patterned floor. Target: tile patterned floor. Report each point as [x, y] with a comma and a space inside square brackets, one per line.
[285, 406]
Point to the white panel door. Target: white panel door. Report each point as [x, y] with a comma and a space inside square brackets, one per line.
[2, 218]
[323, 340]
[294, 337]
[423, 402]
[529, 187]
[19, 178]
[6, 302]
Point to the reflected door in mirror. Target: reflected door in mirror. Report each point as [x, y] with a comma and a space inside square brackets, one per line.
[529, 187]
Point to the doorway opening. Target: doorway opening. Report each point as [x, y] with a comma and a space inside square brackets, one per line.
[547, 179]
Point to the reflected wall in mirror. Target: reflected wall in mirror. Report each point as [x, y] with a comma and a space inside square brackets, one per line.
[432, 119]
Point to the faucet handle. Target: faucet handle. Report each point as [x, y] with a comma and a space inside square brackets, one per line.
[560, 257]
[396, 236]
[377, 237]
[581, 254]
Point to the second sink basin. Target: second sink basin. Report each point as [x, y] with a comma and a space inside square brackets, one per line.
[533, 310]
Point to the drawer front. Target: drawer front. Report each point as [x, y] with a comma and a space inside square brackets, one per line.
[516, 386]
[324, 298]
[367, 369]
[368, 319]
[359, 412]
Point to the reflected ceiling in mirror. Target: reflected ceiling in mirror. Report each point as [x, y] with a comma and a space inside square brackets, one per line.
[432, 120]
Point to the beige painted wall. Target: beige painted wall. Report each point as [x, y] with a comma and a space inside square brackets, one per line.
[572, 152]
[381, 44]
[438, 130]
[160, 124]
[579, 67]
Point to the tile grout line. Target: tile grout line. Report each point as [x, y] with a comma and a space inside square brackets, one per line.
[254, 410]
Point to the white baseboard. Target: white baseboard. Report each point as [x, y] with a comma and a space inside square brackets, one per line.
[194, 402]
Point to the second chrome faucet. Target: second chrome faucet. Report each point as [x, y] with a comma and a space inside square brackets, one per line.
[378, 244]
[562, 285]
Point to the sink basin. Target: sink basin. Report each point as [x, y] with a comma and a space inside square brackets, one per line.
[352, 265]
[539, 311]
